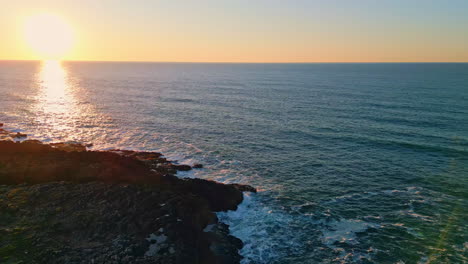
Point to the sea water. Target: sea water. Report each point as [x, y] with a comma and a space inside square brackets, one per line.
[354, 163]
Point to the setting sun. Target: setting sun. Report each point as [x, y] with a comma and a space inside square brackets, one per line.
[49, 36]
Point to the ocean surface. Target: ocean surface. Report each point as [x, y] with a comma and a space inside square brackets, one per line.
[355, 163]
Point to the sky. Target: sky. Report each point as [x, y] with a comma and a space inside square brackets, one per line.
[248, 30]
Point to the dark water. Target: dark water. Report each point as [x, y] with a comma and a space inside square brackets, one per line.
[356, 163]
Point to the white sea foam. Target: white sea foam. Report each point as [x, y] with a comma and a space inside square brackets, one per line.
[345, 231]
[270, 234]
[267, 233]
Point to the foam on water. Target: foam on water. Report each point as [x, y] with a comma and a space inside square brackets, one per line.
[344, 231]
[270, 235]
[266, 232]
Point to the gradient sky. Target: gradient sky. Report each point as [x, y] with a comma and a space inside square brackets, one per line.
[250, 30]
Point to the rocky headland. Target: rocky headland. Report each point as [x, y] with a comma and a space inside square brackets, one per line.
[62, 203]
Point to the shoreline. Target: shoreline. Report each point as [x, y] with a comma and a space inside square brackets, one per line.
[66, 204]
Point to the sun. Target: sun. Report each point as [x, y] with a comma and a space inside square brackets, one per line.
[49, 36]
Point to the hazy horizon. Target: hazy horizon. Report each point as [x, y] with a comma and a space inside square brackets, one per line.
[251, 62]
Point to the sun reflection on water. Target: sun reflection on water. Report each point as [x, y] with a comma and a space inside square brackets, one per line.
[55, 88]
[56, 107]
[63, 109]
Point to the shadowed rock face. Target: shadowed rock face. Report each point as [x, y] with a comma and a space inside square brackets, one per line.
[63, 204]
[32, 162]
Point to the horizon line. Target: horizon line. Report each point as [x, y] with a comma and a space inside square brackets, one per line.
[240, 62]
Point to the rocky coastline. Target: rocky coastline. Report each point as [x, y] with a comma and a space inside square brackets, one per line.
[63, 203]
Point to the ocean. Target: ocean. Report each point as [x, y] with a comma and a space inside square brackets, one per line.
[354, 163]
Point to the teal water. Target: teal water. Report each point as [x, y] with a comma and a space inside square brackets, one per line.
[355, 163]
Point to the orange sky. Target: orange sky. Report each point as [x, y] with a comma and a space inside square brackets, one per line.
[247, 31]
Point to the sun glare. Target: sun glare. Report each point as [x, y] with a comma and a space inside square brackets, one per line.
[49, 36]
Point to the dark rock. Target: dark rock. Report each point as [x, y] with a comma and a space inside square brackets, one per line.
[223, 244]
[32, 141]
[106, 205]
[69, 147]
[182, 167]
[95, 221]
[18, 135]
[197, 166]
[98, 220]
[244, 188]
[221, 197]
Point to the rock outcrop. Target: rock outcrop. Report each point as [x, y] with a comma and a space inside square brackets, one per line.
[61, 203]
[197, 166]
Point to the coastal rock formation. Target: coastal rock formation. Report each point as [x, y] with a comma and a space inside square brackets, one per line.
[182, 167]
[68, 146]
[18, 135]
[197, 166]
[61, 203]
